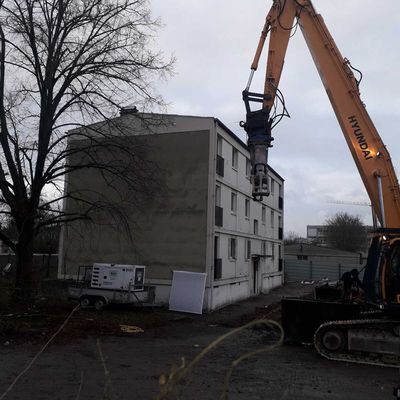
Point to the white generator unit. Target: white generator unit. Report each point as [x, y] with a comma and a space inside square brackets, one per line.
[118, 277]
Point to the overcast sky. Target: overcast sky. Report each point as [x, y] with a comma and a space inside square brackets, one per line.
[214, 43]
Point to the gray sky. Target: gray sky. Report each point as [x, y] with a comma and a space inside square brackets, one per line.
[214, 42]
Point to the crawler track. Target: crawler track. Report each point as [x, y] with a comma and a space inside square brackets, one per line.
[370, 341]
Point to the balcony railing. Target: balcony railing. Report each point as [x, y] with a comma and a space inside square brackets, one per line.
[220, 165]
[219, 216]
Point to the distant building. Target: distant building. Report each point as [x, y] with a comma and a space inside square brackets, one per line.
[317, 234]
[307, 262]
[206, 222]
[310, 252]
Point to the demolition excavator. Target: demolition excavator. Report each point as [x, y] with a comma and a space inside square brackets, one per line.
[367, 331]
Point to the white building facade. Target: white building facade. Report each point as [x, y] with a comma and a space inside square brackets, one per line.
[248, 234]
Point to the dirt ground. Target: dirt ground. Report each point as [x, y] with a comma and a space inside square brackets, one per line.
[93, 359]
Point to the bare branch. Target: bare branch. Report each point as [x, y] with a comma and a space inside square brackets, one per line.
[68, 63]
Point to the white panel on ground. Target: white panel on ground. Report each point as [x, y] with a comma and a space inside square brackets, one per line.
[187, 292]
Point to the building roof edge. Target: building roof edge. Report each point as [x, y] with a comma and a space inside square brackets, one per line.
[243, 144]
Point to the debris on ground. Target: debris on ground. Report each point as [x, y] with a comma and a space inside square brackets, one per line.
[131, 329]
[37, 326]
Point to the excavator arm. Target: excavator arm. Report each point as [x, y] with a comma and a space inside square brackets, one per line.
[340, 330]
[368, 151]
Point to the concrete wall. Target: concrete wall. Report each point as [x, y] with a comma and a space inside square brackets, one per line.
[271, 280]
[224, 294]
[168, 232]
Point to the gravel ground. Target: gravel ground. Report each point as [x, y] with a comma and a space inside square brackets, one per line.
[74, 366]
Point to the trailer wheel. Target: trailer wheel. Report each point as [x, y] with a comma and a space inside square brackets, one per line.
[85, 301]
[99, 304]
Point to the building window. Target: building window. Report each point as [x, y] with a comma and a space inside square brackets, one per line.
[272, 252]
[216, 247]
[218, 196]
[235, 156]
[248, 167]
[233, 203]
[220, 162]
[302, 257]
[264, 248]
[256, 227]
[219, 145]
[219, 212]
[263, 214]
[217, 268]
[217, 260]
[232, 248]
[247, 208]
[272, 189]
[280, 228]
[247, 250]
[272, 219]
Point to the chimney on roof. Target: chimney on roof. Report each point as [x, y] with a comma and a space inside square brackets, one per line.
[128, 110]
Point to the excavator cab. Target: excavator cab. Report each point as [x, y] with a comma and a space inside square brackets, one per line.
[381, 281]
[390, 273]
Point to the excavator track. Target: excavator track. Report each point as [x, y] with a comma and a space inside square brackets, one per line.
[366, 341]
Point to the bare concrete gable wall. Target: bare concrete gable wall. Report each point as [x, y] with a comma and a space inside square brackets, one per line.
[169, 229]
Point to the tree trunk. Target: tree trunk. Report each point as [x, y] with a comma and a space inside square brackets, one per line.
[23, 293]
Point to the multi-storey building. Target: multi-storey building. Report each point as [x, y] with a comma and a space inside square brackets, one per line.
[317, 234]
[206, 221]
[247, 234]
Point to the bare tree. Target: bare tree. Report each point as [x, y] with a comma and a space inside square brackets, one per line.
[46, 241]
[63, 64]
[346, 232]
[293, 237]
